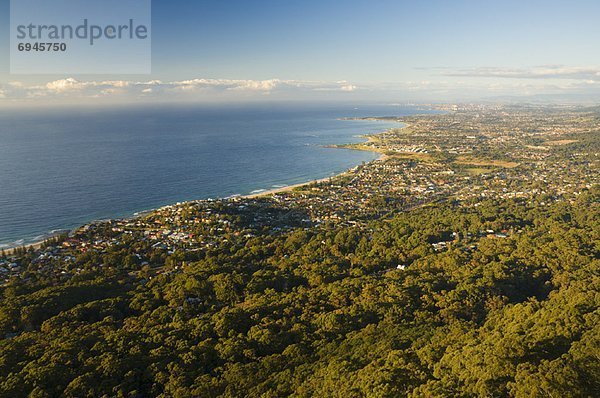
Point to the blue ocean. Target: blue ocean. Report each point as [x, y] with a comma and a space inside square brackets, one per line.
[60, 168]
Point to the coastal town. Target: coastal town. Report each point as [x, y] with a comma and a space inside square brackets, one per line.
[279, 199]
[467, 154]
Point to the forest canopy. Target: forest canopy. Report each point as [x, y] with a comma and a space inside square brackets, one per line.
[336, 312]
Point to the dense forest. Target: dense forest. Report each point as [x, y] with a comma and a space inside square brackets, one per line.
[327, 312]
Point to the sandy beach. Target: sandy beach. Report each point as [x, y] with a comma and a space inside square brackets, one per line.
[35, 246]
[287, 188]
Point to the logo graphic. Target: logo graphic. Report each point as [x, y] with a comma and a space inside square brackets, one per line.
[80, 37]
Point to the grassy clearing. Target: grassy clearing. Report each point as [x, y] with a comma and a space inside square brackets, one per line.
[464, 160]
[560, 142]
[475, 171]
[541, 148]
[421, 157]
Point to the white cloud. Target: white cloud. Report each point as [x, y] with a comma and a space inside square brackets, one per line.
[226, 84]
[341, 86]
[70, 84]
[111, 91]
[540, 72]
[345, 86]
[63, 85]
[71, 88]
[252, 85]
[449, 84]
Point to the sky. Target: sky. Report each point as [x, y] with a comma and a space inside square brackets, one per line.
[343, 50]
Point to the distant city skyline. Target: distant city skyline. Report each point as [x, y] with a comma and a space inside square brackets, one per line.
[391, 51]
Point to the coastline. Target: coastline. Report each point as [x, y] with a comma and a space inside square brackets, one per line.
[288, 188]
[35, 246]
[354, 147]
